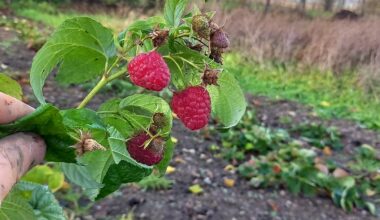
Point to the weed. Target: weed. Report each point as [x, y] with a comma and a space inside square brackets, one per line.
[155, 182]
[318, 135]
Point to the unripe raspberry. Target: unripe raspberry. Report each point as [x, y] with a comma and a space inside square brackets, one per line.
[201, 26]
[149, 71]
[150, 155]
[192, 106]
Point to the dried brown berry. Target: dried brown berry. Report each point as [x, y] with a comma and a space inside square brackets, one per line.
[214, 27]
[210, 76]
[159, 119]
[159, 37]
[219, 39]
[216, 55]
[87, 144]
[196, 47]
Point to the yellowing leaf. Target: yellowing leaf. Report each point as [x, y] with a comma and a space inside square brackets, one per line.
[170, 170]
[322, 168]
[370, 192]
[229, 167]
[174, 140]
[229, 182]
[196, 189]
[46, 175]
[10, 86]
[325, 104]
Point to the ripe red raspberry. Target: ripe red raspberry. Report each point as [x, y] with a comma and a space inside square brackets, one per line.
[149, 71]
[192, 106]
[150, 155]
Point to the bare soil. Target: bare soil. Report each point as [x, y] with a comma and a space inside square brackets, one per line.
[195, 164]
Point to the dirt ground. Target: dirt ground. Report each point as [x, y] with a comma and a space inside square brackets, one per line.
[194, 164]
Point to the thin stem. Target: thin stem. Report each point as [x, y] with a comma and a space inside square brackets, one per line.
[189, 62]
[112, 66]
[187, 34]
[93, 92]
[116, 75]
[179, 68]
[99, 86]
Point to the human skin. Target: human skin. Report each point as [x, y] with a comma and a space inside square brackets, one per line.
[18, 152]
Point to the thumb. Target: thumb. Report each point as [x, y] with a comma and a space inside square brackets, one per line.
[11, 109]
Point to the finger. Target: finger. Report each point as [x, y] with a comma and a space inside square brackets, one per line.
[12, 109]
[18, 153]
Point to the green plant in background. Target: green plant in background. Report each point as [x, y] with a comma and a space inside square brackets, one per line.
[155, 182]
[27, 30]
[331, 97]
[318, 135]
[129, 138]
[278, 159]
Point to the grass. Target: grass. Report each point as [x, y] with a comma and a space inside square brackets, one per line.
[50, 16]
[331, 96]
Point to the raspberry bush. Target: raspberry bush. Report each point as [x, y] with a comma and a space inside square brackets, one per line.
[125, 139]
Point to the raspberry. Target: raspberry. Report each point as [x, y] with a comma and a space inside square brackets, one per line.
[149, 71]
[192, 106]
[150, 155]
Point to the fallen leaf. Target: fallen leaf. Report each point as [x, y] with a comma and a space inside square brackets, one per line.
[370, 192]
[276, 169]
[291, 113]
[327, 151]
[321, 167]
[174, 140]
[230, 167]
[340, 173]
[273, 206]
[179, 159]
[170, 170]
[195, 189]
[229, 182]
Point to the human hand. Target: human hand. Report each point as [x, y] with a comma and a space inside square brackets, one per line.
[18, 152]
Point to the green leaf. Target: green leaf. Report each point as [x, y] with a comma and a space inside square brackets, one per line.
[168, 154]
[228, 101]
[16, 207]
[30, 201]
[42, 200]
[140, 26]
[45, 175]
[85, 120]
[10, 86]
[124, 172]
[173, 11]
[48, 123]
[150, 103]
[117, 145]
[81, 46]
[109, 112]
[79, 175]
